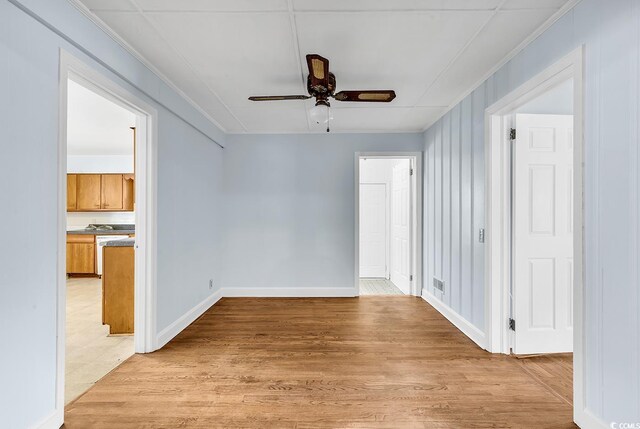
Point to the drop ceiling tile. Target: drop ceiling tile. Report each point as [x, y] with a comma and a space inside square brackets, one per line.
[534, 4]
[212, 5]
[403, 52]
[135, 29]
[418, 118]
[408, 5]
[238, 55]
[484, 53]
[274, 117]
[382, 119]
[122, 5]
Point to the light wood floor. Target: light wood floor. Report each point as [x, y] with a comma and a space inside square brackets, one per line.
[371, 286]
[368, 362]
[90, 351]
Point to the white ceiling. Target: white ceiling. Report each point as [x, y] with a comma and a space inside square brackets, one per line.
[97, 126]
[219, 52]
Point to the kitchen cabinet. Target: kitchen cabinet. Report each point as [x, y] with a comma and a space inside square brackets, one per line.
[111, 192]
[128, 192]
[81, 254]
[100, 192]
[88, 192]
[71, 192]
[118, 289]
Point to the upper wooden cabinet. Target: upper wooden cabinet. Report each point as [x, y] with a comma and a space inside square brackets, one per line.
[100, 192]
[88, 192]
[111, 193]
[128, 192]
[71, 192]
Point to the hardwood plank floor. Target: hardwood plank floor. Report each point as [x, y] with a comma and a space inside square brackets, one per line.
[368, 362]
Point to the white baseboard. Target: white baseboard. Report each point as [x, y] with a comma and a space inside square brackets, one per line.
[53, 421]
[168, 333]
[290, 292]
[587, 420]
[476, 335]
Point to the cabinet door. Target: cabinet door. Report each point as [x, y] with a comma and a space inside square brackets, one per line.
[111, 198]
[88, 192]
[81, 258]
[71, 192]
[128, 192]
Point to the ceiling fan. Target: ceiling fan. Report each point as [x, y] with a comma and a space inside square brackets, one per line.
[321, 84]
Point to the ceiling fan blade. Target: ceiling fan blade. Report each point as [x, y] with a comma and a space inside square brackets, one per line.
[279, 97]
[375, 96]
[318, 70]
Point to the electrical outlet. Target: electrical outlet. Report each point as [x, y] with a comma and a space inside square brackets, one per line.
[211, 284]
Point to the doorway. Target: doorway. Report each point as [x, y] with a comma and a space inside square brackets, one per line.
[386, 217]
[534, 215]
[106, 195]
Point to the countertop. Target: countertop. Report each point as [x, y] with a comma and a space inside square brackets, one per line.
[118, 229]
[128, 242]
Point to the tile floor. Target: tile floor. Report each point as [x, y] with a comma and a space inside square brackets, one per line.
[90, 352]
[370, 286]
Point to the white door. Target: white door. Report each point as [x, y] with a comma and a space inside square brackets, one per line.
[543, 234]
[401, 226]
[373, 230]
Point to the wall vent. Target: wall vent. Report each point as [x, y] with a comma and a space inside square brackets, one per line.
[438, 284]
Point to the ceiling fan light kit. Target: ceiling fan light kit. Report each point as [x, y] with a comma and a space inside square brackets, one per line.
[321, 85]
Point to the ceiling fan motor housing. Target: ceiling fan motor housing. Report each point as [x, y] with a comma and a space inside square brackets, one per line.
[320, 90]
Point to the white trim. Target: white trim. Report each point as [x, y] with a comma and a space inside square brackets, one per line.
[416, 215]
[54, 421]
[170, 332]
[289, 292]
[475, 334]
[511, 55]
[145, 318]
[497, 241]
[587, 420]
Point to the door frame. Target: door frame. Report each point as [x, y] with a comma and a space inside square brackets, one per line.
[497, 213]
[416, 215]
[72, 68]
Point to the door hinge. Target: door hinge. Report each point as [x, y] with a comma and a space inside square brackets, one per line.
[512, 134]
[512, 325]
[411, 172]
[411, 278]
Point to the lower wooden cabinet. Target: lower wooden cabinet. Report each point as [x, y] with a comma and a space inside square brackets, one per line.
[81, 254]
[118, 289]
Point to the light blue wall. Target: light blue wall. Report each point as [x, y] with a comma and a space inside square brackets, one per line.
[189, 175]
[189, 219]
[289, 208]
[610, 32]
